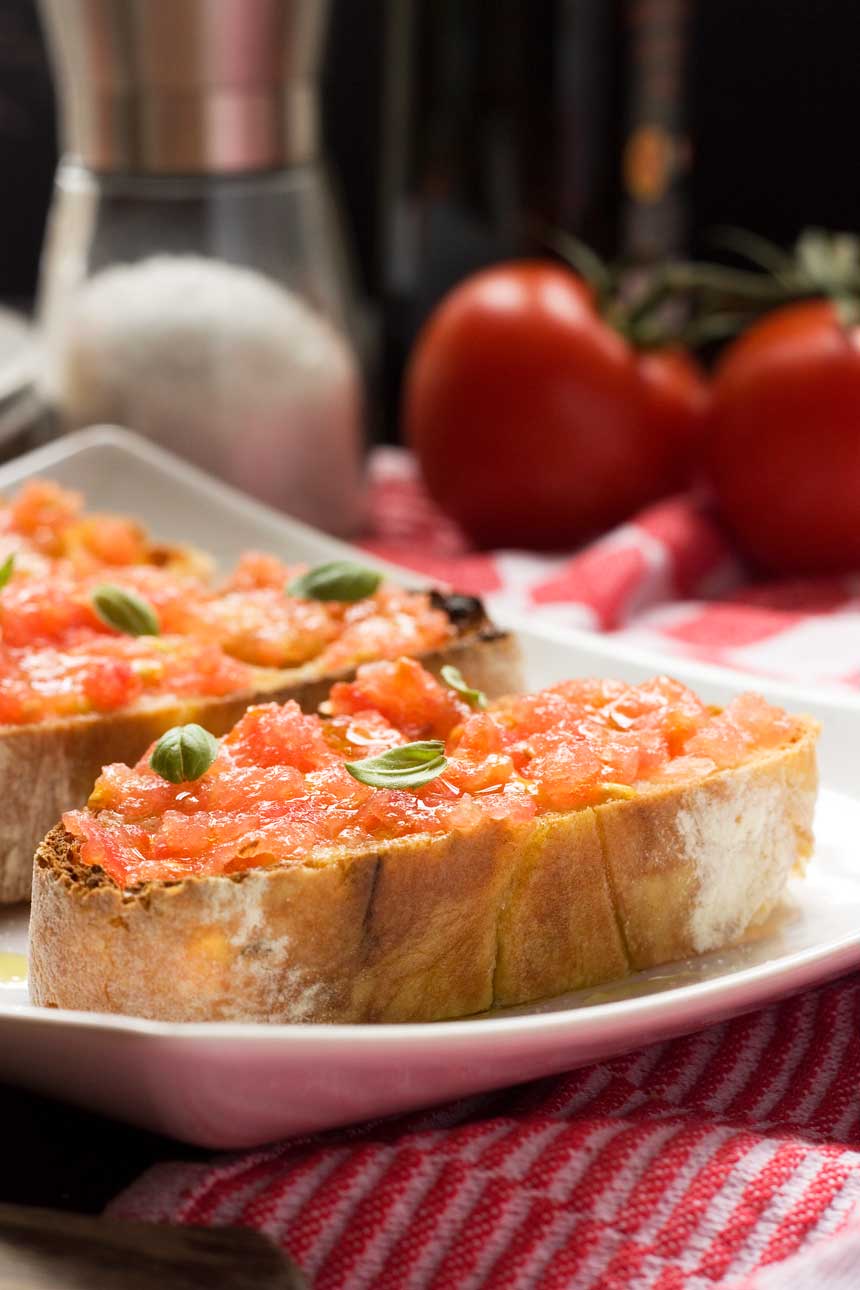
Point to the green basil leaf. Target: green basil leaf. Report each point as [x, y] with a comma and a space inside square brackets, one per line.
[408, 766]
[453, 677]
[184, 753]
[124, 611]
[7, 568]
[338, 580]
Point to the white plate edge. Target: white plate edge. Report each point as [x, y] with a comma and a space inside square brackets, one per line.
[596, 1016]
[819, 697]
[565, 1021]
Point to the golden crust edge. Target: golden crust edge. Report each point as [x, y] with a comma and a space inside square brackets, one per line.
[423, 929]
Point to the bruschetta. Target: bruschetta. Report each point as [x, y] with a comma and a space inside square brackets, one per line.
[107, 639]
[418, 853]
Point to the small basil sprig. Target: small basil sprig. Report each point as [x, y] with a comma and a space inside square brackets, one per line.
[7, 568]
[408, 766]
[453, 677]
[184, 753]
[337, 580]
[124, 611]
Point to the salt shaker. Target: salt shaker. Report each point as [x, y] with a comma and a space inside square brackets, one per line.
[195, 283]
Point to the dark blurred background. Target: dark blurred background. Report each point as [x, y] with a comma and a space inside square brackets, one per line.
[459, 130]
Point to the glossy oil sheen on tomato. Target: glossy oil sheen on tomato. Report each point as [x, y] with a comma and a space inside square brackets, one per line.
[59, 659]
[279, 787]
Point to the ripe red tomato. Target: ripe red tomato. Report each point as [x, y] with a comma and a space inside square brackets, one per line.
[783, 447]
[535, 423]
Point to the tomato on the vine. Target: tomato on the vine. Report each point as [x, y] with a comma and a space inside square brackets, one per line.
[535, 422]
[783, 447]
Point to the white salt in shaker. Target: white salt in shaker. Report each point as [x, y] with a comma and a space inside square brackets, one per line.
[194, 282]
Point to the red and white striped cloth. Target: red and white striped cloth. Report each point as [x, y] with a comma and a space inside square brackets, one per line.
[727, 1160]
[668, 580]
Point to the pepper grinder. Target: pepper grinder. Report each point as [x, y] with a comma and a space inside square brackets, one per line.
[195, 284]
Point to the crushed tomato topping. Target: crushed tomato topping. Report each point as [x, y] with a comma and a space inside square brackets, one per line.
[59, 659]
[279, 787]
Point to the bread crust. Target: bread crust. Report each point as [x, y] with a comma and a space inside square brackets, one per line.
[426, 928]
[51, 767]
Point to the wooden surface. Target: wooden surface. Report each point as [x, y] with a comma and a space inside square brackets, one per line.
[75, 1162]
[49, 1250]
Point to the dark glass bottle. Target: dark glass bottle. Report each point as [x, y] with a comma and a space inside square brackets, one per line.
[506, 120]
[656, 152]
[27, 147]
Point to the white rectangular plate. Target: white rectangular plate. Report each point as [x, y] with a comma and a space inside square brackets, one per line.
[227, 1085]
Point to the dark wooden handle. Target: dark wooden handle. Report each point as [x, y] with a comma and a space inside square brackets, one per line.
[43, 1249]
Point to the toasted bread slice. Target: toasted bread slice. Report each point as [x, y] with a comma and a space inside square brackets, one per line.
[423, 928]
[50, 767]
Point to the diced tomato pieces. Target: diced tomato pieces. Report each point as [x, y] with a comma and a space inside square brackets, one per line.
[256, 569]
[528, 714]
[721, 741]
[60, 658]
[390, 623]
[180, 835]
[36, 611]
[515, 804]
[18, 705]
[360, 735]
[110, 683]
[407, 696]
[565, 770]
[619, 757]
[682, 770]
[589, 691]
[246, 786]
[748, 722]
[279, 735]
[108, 539]
[396, 813]
[41, 510]
[135, 791]
[105, 847]
[279, 787]
[263, 626]
[491, 771]
[653, 751]
[478, 736]
[664, 705]
[768, 725]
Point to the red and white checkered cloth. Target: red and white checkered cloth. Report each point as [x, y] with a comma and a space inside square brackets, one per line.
[727, 1160]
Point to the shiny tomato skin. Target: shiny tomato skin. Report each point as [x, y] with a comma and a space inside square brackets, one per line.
[535, 423]
[783, 441]
[675, 402]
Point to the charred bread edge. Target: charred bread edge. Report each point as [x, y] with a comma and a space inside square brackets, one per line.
[51, 767]
[433, 927]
